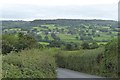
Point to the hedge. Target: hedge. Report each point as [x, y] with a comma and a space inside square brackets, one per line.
[29, 64]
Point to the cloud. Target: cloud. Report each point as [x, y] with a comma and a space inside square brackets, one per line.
[33, 11]
[58, 2]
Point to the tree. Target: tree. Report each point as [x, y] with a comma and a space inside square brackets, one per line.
[56, 43]
[111, 55]
[46, 32]
[54, 36]
[17, 43]
[71, 46]
[77, 37]
[89, 38]
[94, 45]
[46, 38]
[6, 47]
[25, 41]
[40, 37]
[8, 42]
[85, 45]
[93, 32]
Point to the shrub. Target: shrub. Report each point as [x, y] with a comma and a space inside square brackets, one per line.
[85, 45]
[8, 42]
[56, 43]
[100, 61]
[29, 64]
[110, 60]
[93, 45]
[17, 43]
[71, 46]
[81, 60]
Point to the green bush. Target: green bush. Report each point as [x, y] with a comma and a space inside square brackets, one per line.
[110, 60]
[8, 42]
[93, 45]
[89, 45]
[29, 64]
[100, 61]
[71, 46]
[81, 60]
[17, 42]
[85, 45]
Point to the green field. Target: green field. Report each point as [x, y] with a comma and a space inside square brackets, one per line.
[44, 43]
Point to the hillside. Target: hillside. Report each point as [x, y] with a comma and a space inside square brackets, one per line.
[61, 22]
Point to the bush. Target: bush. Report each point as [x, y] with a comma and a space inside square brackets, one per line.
[71, 46]
[56, 43]
[29, 64]
[89, 45]
[85, 45]
[81, 60]
[8, 42]
[93, 45]
[100, 61]
[110, 60]
[17, 43]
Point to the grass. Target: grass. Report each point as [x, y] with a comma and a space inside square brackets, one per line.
[101, 61]
[52, 26]
[103, 36]
[71, 38]
[49, 36]
[82, 60]
[44, 43]
[104, 43]
[68, 38]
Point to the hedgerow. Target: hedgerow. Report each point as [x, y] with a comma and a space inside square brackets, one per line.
[100, 61]
[81, 60]
[29, 64]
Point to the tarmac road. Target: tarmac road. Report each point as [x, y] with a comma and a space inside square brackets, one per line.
[65, 73]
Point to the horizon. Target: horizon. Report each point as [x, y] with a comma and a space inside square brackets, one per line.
[56, 19]
[68, 9]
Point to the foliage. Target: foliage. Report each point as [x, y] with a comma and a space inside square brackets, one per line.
[17, 43]
[110, 60]
[67, 35]
[8, 42]
[56, 43]
[89, 45]
[82, 60]
[54, 36]
[71, 46]
[93, 45]
[99, 61]
[85, 45]
[29, 64]
[46, 38]
[63, 45]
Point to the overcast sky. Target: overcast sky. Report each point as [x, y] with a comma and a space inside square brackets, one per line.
[58, 9]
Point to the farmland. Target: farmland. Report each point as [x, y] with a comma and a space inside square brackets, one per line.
[67, 33]
[32, 48]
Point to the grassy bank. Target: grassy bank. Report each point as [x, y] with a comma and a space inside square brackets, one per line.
[29, 64]
[87, 61]
[96, 61]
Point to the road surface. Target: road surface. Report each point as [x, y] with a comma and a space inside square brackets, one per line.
[65, 73]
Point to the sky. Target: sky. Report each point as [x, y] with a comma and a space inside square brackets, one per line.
[58, 9]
